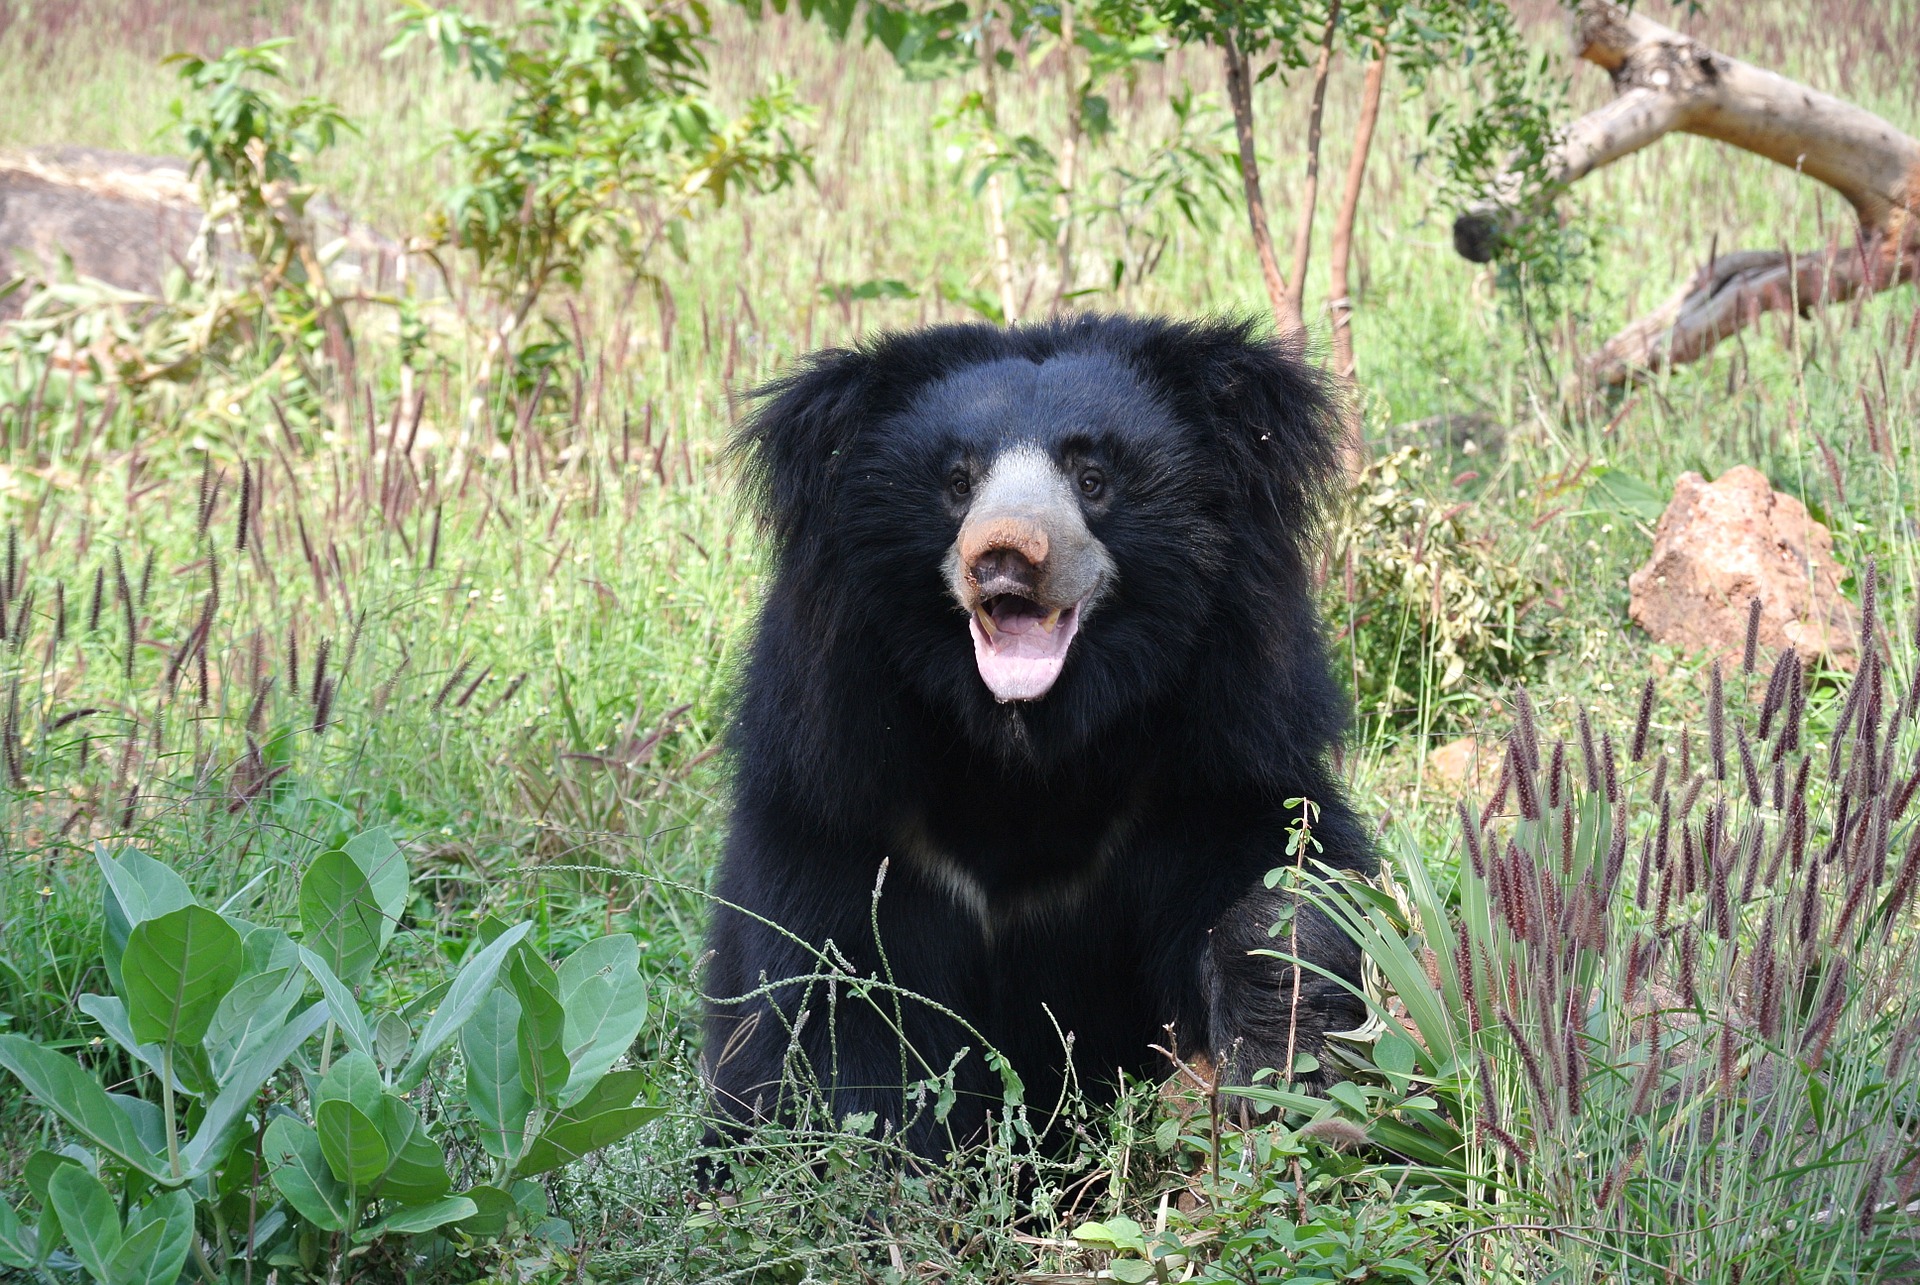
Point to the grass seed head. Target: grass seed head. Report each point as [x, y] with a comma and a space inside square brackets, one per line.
[1642, 723]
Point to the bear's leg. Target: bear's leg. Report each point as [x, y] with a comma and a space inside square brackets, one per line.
[849, 1035]
[1256, 1017]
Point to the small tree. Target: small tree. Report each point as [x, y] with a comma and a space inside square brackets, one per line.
[606, 140]
[1024, 179]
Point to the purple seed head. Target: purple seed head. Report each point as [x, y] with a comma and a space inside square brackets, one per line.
[1588, 759]
[1642, 723]
[1717, 723]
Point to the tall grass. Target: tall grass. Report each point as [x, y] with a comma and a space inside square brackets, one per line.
[507, 631]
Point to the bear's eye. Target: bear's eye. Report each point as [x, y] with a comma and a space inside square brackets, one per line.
[1092, 483]
[959, 485]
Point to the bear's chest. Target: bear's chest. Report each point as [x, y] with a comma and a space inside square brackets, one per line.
[1015, 867]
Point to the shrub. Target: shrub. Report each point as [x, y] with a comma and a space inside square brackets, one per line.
[250, 1143]
[1428, 605]
[606, 138]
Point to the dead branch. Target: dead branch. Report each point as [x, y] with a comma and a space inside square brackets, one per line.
[1667, 82]
[1731, 293]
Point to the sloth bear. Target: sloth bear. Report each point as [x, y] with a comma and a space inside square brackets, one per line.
[1037, 673]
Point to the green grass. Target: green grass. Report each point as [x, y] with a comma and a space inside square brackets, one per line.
[531, 635]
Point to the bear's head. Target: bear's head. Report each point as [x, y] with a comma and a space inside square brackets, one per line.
[1046, 531]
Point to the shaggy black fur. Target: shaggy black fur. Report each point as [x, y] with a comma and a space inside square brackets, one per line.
[1089, 863]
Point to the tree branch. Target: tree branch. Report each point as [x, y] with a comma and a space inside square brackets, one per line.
[1240, 96]
[1668, 82]
[1310, 191]
[1733, 291]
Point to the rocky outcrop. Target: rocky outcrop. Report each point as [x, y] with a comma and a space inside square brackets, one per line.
[126, 220]
[1720, 545]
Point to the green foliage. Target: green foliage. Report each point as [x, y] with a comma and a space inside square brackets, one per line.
[1427, 607]
[1694, 1056]
[605, 138]
[530, 649]
[249, 148]
[216, 1010]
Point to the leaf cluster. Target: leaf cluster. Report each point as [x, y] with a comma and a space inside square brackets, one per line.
[1430, 603]
[606, 137]
[262, 1146]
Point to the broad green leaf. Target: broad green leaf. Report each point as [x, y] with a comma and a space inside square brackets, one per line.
[543, 1023]
[1624, 493]
[490, 1044]
[268, 948]
[345, 1009]
[605, 1003]
[419, 1218]
[391, 1037]
[111, 1013]
[470, 988]
[418, 1173]
[300, 1172]
[340, 916]
[88, 1217]
[385, 867]
[350, 1108]
[565, 1141]
[70, 1093]
[354, 1078]
[602, 1117]
[177, 968]
[40, 1168]
[18, 1246]
[156, 1246]
[138, 888]
[495, 1208]
[252, 1011]
[1120, 1234]
[229, 1107]
[149, 1122]
[353, 1143]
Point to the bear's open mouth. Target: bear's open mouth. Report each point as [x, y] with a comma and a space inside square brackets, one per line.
[1020, 646]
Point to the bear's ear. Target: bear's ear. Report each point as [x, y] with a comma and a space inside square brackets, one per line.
[1274, 415]
[808, 423]
[796, 440]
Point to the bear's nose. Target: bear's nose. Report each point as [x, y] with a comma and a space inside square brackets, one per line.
[999, 571]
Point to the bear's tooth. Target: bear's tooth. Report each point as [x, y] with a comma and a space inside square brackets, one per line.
[1052, 621]
[986, 622]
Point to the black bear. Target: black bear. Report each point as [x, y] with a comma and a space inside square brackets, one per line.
[1041, 638]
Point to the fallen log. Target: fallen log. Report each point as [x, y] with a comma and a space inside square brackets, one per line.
[1667, 82]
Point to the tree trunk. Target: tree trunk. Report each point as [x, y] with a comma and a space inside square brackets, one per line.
[1340, 305]
[1069, 149]
[1240, 95]
[1669, 82]
[996, 205]
[1340, 302]
[1310, 190]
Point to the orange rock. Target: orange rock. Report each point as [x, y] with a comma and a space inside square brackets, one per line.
[1464, 762]
[1723, 543]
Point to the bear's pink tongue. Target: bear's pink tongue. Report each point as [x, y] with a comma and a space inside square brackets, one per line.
[1021, 652]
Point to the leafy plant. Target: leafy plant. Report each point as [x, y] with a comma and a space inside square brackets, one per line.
[606, 138]
[248, 147]
[1428, 604]
[304, 1148]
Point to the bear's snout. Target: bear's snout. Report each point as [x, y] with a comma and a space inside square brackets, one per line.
[1009, 567]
